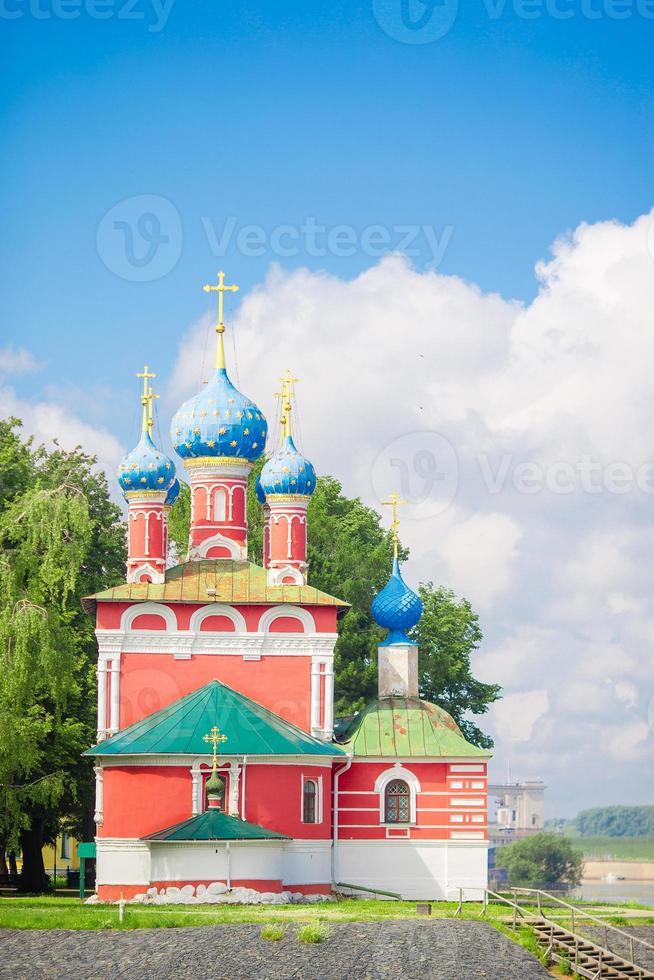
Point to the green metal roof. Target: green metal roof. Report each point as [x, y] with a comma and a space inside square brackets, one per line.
[216, 580]
[215, 825]
[179, 729]
[404, 727]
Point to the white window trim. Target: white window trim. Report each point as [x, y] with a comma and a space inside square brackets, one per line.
[319, 797]
[290, 612]
[148, 609]
[384, 778]
[218, 609]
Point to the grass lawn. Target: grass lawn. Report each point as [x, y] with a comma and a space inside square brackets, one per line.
[63, 912]
[54, 912]
[618, 848]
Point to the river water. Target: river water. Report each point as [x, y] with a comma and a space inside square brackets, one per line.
[616, 892]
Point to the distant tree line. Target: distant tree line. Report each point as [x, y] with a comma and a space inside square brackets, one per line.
[615, 821]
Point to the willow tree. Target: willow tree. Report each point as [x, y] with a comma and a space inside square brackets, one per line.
[60, 537]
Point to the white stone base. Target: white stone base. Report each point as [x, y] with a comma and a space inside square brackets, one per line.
[135, 862]
[433, 870]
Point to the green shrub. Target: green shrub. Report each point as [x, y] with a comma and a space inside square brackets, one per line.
[272, 933]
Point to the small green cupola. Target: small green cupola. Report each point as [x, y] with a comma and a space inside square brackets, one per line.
[215, 787]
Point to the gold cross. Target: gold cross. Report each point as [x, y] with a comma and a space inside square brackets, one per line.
[215, 737]
[221, 289]
[151, 399]
[145, 397]
[288, 381]
[395, 501]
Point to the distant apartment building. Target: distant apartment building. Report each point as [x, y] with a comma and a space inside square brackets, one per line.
[517, 807]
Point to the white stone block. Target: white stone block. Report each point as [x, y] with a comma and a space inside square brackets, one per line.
[188, 889]
[217, 888]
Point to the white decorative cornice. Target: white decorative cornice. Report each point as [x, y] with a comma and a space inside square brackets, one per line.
[183, 644]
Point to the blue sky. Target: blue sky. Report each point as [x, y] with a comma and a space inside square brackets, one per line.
[499, 136]
[144, 151]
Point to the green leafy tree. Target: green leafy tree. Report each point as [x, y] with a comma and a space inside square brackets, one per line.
[616, 821]
[541, 860]
[448, 633]
[60, 538]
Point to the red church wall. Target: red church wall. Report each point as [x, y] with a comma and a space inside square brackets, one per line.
[150, 682]
[217, 624]
[266, 785]
[109, 615]
[149, 622]
[143, 800]
[359, 815]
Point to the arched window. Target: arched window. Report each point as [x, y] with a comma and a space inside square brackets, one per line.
[310, 801]
[220, 505]
[397, 802]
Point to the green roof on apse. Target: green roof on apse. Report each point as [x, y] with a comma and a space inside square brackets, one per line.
[406, 727]
[215, 825]
[180, 727]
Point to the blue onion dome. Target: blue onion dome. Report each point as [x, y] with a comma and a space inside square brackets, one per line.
[146, 468]
[397, 607]
[173, 493]
[288, 472]
[258, 489]
[219, 421]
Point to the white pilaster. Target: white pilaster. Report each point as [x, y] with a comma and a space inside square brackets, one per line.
[234, 779]
[114, 712]
[102, 700]
[196, 791]
[315, 697]
[98, 816]
[328, 721]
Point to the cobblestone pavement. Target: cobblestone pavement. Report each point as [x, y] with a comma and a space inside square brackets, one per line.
[430, 950]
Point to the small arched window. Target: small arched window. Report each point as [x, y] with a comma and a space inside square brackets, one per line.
[397, 802]
[310, 801]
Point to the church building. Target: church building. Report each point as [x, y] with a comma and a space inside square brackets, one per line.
[216, 759]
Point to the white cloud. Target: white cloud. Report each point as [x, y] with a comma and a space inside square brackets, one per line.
[516, 715]
[48, 421]
[17, 360]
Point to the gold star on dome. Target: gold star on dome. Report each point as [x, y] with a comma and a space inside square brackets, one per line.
[228, 413]
[210, 443]
[144, 479]
[203, 414]
[285, 469]
[128, 479]
[188, 445]
[216, 413]
[239, 415]
[160, 479]
[293, 482]
[233, 442]
[231, 401]
[196, 431]
[178, 432]
[249, 415]
[222, 430]
[168, 465]
[254, 445]
[246, 432]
